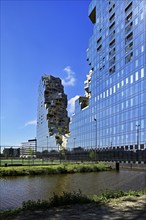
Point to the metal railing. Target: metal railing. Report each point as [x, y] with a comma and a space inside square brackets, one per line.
[53, 156]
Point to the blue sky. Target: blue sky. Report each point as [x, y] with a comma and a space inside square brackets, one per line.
[39, 37]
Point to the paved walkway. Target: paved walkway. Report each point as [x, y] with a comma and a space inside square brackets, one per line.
[125, 208]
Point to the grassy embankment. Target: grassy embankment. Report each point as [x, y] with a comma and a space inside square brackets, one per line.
[68, 199]
[53, 169]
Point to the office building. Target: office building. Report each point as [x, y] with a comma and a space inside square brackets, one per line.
[112, 113]
[52, 116]
[28, 149]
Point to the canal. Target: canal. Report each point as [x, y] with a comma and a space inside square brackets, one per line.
[15, 190]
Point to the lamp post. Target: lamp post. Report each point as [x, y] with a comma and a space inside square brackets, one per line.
[0, 155]
[95, 132]
[35, 146]
[111, 144]
[47, 142]
[74, 142]
[137, 127]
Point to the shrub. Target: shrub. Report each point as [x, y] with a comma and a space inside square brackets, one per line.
[69, 198]
[57, 200]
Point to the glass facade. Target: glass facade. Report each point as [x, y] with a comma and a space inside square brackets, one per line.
[113, 113]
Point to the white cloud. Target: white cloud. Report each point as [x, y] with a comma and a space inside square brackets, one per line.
[71, 104]
[70, 79]
[33, 122]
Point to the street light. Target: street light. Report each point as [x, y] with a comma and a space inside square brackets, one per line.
[111, 144]
[0, 155]
[47, 142]
[96, 132]
[74, 142]
[137, 127]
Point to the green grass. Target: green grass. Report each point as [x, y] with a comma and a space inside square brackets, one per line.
[108, 195]
[68, 198]
[53, 169]
[27, 161]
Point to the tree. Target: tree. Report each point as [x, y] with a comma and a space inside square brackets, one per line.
[92, 154]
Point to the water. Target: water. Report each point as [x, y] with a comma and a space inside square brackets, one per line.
[15, 190]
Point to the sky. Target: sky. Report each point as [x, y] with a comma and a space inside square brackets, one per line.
[39, 37]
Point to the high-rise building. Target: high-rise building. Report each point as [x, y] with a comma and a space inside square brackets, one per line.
[112, 113]
[52, 116]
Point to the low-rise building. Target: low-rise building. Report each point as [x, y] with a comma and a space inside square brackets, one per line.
[28, 149]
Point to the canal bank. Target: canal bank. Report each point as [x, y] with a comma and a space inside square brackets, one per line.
[54, 169]
[122, 211]
[121, 206]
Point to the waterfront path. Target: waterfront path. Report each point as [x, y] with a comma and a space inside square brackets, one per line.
[124, 208]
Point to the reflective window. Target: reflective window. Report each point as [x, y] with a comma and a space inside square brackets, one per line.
[136, 21]
[142, 48]
[127, 80]
[142, 72]
[136, 76]
[122, 83]
[141, 16]
[131, 79]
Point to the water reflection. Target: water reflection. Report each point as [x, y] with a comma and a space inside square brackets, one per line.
[15, 190]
